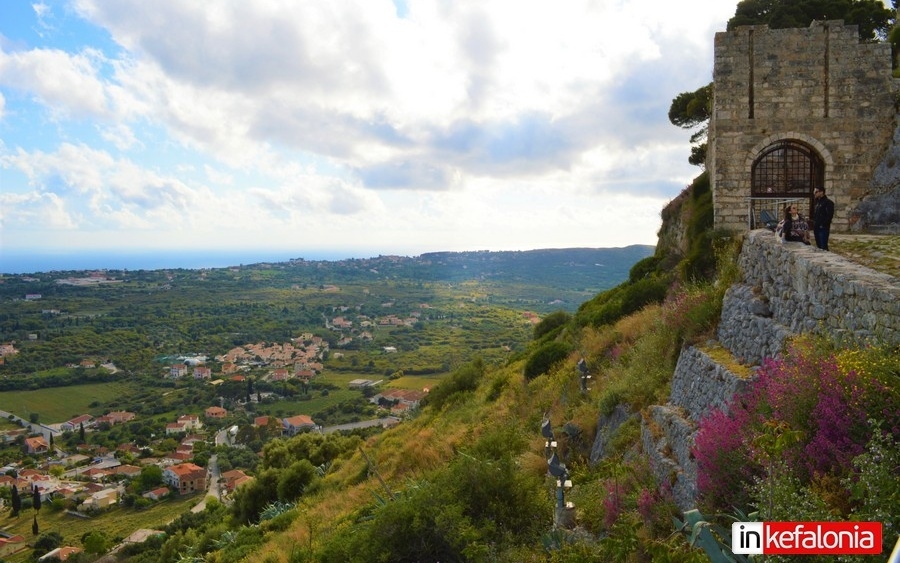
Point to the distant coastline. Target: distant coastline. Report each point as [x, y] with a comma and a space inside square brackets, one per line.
[18, 263]
[13, 263]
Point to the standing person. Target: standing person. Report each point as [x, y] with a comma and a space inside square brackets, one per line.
[823, 212]
[795, 228]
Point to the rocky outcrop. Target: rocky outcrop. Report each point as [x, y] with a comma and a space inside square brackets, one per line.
[879, 211]
[606, 429]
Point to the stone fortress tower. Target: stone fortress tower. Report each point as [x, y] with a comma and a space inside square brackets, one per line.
[798, 108]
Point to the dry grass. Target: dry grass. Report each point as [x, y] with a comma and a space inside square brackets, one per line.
[727, 360]
[879, 252]
[410, 451]
[635, 325]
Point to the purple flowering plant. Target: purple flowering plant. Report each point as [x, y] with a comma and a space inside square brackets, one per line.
[805, 396]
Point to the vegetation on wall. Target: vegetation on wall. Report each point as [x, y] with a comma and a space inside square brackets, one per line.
[814, 438]
[873, 19]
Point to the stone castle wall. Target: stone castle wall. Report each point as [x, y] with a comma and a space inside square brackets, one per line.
[819, 85]
[811, 291]
[788, 289]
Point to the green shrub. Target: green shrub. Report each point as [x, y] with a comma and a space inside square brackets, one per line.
[643, 268]
[550, 323]
[621, 301]
[611, 398]
[478, 505]
[545, 357]
[462, 380]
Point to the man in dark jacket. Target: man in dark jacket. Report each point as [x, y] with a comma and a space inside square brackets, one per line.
[823, 212]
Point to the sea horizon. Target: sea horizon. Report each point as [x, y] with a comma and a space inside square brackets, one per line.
[36, 262]
[18, 263]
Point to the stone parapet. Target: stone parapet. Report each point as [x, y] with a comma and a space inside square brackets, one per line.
[808, 290]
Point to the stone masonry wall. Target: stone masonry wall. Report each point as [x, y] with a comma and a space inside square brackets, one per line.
[788, 289]
[819, 85]
[811, 291]
[699, 385]
[748, 328]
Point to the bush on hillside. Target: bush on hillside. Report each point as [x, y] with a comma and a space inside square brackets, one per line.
[474, 508]
[643, 268]
[552, 323]
[462, 380]
[545, 357]
[621, 301]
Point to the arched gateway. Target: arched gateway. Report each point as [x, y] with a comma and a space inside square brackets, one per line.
[786, 171]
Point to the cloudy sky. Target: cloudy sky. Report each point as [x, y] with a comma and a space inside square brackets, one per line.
[360, 127]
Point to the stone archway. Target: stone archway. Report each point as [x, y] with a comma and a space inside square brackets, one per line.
[784, 170]
[787, 168]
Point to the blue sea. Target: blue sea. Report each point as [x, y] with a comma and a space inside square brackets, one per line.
[35, 262]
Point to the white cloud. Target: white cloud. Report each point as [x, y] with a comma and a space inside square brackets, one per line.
[121, 136]
[497, 124]
[350, 80]
[33, 211]
[44, 17]
[67, 83]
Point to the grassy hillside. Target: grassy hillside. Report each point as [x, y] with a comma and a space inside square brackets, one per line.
[466, 478]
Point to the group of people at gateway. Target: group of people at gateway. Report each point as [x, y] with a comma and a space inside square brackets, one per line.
[795, 228]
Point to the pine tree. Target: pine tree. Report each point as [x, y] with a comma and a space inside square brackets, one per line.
[36, 499]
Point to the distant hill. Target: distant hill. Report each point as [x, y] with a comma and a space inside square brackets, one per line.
[571, 268]
[574, 269]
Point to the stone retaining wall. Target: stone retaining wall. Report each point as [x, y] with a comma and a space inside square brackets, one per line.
[788, 289]
[666, 438]
[700, 384]
[808, 290]
[747, 328]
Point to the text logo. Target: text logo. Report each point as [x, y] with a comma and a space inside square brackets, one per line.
[806, 538]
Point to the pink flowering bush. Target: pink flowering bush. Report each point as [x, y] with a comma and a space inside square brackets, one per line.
[722, 452]
[804, 411]
[613, 503]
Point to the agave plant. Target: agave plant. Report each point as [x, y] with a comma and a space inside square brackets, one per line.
[274, 509]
